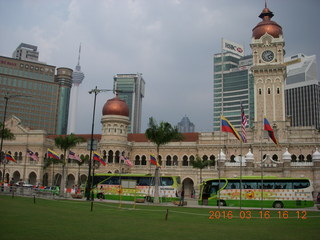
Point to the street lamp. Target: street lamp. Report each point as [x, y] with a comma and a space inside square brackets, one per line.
[6, 97]
[96, 91]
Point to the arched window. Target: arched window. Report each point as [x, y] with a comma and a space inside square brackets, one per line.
[269, 91]
[232, 158]
[301, 158]
[175, 160]
[293, 158]
[117, 157]
[278, 90]
[16, 156]
[275, 157]
[260, 91]
[110, 156]
[143, 160]
[191, 158]
[168, 161]
[185, 161]
[20, 156]
[309, 158]
[212, 160]
[137, 160]
[204, 158]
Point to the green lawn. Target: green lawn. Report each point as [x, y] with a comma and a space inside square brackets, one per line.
[20, 218]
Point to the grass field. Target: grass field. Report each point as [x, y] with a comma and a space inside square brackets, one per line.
[21, 218]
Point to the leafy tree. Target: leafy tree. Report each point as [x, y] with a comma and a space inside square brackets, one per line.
[65, 143]
[161, 134]
[200, 164]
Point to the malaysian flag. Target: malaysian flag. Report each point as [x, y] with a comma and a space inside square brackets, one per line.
[74, 156]
[32, 155]
[126, 161]
[244, 123]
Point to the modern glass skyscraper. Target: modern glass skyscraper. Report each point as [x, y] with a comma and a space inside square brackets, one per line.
[302, 91]
[232, 86]
[132, 86]
[185, 125]
[48, 102]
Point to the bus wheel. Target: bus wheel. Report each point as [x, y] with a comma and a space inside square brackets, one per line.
[278, 205]
[222, 203]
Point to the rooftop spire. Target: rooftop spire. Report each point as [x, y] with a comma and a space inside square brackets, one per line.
[79, 54]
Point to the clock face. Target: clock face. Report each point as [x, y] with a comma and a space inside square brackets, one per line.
[267, 56]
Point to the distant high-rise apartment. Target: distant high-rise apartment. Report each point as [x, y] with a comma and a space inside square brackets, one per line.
[232, 85]
[47, 104]
[302, 91]
[26, 52]
[130, 88]
[185, 125]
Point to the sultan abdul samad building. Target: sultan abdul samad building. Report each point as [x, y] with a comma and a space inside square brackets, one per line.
[297, 154]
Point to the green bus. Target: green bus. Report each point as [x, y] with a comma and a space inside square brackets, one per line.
[110, 186]
[256, 192]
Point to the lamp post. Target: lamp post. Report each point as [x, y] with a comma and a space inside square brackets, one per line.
[96, 91]
[6, 97]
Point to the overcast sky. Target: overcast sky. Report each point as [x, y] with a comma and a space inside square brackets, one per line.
[171, 42]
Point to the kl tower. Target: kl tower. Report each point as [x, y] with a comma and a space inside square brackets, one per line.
[77, 78]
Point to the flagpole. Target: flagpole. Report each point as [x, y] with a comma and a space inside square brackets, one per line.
[261, 165]
[25, 160]
[241, 139]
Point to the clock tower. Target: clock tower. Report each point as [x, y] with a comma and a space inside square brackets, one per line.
[269, 70]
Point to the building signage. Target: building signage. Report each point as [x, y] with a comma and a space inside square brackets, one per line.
[232, 47]
[7, 63]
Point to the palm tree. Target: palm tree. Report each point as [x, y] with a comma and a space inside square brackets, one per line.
[5, 133]
[65, 143]
[85, 159]
[200, 164]
[161, 134]
[48, 162]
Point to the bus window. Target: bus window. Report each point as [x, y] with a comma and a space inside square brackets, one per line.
[144, 181]
[268, 185]
[300, 184]
[166, 181]
[282, 185]
[233, 185]
[114, 180]
[212, 188]
[249, 184]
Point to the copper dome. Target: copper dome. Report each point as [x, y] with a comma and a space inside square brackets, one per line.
[266, 25]
[115, 106]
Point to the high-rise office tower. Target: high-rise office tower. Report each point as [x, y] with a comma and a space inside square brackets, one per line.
[77, 78]
[232, 85]
[26, 52]
[302, 91]
[47, 103]
[131, 88]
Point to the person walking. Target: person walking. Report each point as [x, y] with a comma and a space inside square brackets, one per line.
[181, 203]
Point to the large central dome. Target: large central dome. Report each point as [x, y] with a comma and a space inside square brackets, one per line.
[266, 25]
[115, 106]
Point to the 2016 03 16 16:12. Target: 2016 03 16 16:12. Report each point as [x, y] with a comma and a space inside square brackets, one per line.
[248, 214]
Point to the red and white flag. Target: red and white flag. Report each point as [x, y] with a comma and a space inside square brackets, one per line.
[74, 156]
[32, 155]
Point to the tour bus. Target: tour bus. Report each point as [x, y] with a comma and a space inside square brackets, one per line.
[110, 186]
[275, 192]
